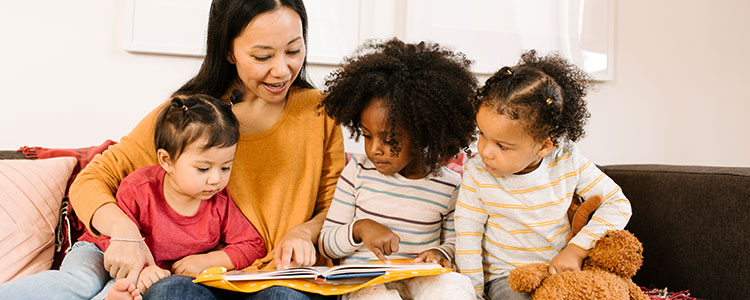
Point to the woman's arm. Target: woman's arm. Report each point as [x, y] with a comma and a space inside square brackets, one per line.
[92, 197]
[97, 184]
[297, 247]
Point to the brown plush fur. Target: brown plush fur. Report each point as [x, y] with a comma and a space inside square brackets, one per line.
[606, 273]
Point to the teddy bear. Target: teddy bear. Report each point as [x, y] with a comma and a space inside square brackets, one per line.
[606, 273]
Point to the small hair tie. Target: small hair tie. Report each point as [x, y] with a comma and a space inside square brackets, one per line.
[549, 101]
[184, 107]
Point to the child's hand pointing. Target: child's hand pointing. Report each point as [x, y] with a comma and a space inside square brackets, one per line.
[376, 237]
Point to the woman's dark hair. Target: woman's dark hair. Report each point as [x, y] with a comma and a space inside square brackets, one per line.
[428, 91]
[192, 118]
[227, 19]
[546, 93]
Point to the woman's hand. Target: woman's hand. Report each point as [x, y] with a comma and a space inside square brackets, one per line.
[433, 256]
[569, 259]
[376, 237]
[295, 249]
[127, 259]
[121, 259]
[150, 275]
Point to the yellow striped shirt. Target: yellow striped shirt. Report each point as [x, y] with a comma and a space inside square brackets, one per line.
[504, 222]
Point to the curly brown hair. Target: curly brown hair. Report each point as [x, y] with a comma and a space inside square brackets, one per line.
[546, 93]
[428, 91]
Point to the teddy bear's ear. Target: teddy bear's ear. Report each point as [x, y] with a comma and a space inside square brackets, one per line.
[582, 214]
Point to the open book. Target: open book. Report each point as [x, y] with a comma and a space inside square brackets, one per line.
[326, 273]
[336, 280]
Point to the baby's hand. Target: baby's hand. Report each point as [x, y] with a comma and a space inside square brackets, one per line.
[569, 259]
[433, 256]
[150, 275]
[376, 237]
[190, 265]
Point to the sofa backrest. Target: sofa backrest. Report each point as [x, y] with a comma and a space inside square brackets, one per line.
[694, 223]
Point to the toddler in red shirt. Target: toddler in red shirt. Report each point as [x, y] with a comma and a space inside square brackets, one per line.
[181, 207]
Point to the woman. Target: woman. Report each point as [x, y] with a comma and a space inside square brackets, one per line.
[288, 159]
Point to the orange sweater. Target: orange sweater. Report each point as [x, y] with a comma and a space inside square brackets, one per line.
[281, 177]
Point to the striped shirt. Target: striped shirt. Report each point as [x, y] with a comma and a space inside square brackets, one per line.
[419, 211]
[506, 221]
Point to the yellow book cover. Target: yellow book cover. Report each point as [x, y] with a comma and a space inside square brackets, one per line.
[335, 280]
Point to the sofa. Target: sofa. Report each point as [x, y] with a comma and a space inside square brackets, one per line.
[691, 221]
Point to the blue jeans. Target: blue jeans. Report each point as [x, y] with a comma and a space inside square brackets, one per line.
[182, 287]
[81, 276]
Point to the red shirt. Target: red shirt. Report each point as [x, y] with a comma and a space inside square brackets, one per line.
[171, 236]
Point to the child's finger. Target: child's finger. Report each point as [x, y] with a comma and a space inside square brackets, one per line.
[379, 254]
[552, 269]
[419, 258]
[394, 243]
[446, 264]
[141, 287]
[132, 276]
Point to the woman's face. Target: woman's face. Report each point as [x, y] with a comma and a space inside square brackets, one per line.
[268, 54]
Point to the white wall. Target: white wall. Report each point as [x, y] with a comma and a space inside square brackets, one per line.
[678, 96]
[681, 89]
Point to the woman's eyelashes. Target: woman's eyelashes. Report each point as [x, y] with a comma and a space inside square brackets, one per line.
[262, 58]
[267, 57]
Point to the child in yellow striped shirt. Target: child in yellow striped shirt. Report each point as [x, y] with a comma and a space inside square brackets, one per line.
[514, 196]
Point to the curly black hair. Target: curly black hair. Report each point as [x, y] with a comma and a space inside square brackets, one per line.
[546, 93]
[428, 90]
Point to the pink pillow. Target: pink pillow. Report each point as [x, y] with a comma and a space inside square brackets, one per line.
[30, 195]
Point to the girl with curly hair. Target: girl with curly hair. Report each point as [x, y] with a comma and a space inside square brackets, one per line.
[413, 105]
[514, 197]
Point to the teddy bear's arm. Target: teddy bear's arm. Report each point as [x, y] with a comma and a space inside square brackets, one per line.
[527, 278]
[635, 292]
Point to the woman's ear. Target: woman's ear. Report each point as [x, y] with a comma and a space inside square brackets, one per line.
[165, 161]
[230, 58]
[546, 148]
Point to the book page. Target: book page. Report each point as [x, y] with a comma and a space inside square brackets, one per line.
[377, 268]
[291, 273]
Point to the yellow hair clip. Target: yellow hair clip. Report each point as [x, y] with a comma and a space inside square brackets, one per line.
[549, 101]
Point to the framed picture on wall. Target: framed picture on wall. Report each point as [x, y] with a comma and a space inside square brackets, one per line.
[178, 27]
[172, 27]
[493, 33]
